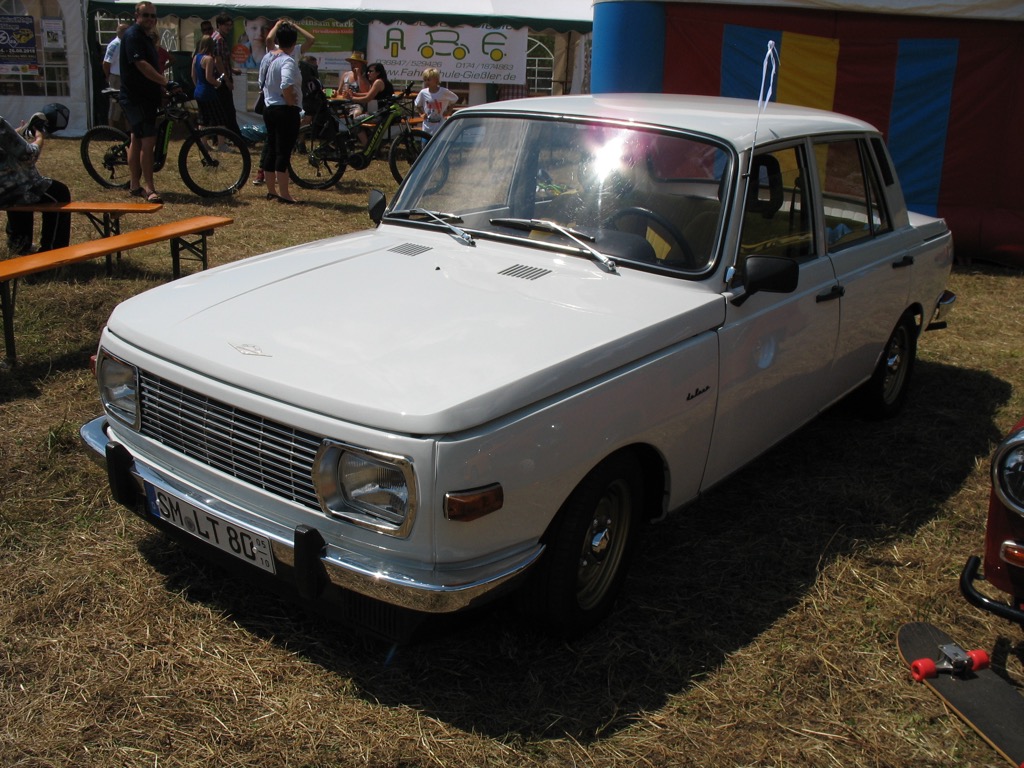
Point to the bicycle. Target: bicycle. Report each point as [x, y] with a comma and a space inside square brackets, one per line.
[213, 162]
[330, 143]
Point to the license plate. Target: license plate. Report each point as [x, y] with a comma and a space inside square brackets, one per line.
[226, 536]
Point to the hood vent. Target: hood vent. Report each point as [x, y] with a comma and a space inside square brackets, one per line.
[410, 249]
[524, 272]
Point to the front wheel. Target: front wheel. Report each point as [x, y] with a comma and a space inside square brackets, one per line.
[214, 162]
[316, 163]
[105, 156]
[574, 585]
[885, 392]
[404, 151]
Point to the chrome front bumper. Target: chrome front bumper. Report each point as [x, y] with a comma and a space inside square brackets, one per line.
[306, 556]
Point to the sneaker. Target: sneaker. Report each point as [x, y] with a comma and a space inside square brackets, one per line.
[29, 249]
[260, 178]
[225, 147]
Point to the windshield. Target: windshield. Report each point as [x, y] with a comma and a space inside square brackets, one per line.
[617, 194]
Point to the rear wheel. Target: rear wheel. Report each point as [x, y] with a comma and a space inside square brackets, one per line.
[315, 163]
[884, 394]
[574, 585]
[214, 162]
[404, 151]
[105, 156]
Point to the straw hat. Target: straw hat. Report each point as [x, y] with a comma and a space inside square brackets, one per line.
[357, 56]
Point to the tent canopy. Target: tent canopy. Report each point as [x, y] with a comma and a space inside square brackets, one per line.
[962, 9]
[562, 16]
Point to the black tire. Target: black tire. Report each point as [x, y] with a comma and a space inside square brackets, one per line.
[214, 162]
[575, 583]
[105, 156]
[404, 151]
[884, 394]
[316, 164]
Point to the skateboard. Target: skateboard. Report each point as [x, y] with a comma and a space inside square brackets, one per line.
[963, 681]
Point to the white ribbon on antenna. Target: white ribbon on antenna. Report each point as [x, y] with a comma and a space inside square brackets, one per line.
[771, 57]
[763, 97]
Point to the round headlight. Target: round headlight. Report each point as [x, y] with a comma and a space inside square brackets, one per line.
[119, 389]
[1008, 472]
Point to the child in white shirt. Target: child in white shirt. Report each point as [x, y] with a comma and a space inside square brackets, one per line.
[434, 102]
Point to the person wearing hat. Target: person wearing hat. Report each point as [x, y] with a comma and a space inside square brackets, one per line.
[353, 81]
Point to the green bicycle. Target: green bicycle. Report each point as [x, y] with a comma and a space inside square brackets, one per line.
[213, 162]
[331, 143]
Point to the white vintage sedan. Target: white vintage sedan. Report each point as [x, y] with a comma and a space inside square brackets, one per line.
[577, 314]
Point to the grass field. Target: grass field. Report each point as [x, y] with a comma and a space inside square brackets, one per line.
[758, 628]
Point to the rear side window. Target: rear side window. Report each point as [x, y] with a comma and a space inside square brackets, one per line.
[854, 207]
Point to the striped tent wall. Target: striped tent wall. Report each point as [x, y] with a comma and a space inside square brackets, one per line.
[947, 94]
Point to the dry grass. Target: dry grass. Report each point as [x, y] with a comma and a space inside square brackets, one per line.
[759, 629]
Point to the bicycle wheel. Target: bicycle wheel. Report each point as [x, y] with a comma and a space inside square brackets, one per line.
[404, 151]
[105, 156]
[214, 162]
[316, 164]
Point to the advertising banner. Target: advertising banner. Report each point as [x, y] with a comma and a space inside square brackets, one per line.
[462, 54]
[18, 46]
[333, 43]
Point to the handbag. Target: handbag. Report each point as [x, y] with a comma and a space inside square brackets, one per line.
[260, 104]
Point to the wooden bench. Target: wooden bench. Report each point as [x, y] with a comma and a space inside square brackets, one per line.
[177, 232]
[105, 217]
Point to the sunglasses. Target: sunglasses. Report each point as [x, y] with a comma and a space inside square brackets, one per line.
[147, 15]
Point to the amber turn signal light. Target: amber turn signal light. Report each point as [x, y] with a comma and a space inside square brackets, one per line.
[1012, 552]
[464, 506]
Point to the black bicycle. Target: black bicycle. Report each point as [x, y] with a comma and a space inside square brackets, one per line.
[330, 143]
[213, 162]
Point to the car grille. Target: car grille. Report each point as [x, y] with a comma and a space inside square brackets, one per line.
[268, 455]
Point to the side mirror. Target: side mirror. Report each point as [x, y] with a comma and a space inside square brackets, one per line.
[768, 274]
[378, 202]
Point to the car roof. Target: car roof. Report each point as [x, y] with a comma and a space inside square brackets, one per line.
[733, 120]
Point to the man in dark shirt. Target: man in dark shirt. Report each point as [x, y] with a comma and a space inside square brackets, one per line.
[142, 89]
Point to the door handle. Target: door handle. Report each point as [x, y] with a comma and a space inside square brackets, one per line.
[906, 261]
[837, 292]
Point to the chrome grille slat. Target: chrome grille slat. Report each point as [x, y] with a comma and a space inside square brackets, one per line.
[268, 455]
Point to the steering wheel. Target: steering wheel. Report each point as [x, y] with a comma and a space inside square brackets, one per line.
[680, 242]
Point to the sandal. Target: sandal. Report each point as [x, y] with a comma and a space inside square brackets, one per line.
[137, 192]
[153, 197]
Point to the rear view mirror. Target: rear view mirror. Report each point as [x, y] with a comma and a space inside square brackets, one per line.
[378, 202]
[768, 274]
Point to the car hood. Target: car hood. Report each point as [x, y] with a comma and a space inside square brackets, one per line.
[407, 330]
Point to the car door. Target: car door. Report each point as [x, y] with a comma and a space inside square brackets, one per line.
[776, 349]
[872, 268]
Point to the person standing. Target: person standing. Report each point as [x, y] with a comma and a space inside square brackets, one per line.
[142, 89]
[22, 184]
[206, 78]
[434, 102]
[222, 50]
[112, 73]
[281, 83]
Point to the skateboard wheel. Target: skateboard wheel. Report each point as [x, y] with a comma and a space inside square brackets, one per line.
[979, 659]
[923, 668]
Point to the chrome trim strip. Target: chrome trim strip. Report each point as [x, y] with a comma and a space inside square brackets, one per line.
[426, 590]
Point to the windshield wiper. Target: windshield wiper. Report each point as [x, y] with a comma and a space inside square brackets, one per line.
[546, 225]
[444, 219]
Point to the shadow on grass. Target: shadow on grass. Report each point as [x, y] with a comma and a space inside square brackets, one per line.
[710, 579]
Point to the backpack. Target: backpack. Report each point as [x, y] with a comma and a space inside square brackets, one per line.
[314, 102]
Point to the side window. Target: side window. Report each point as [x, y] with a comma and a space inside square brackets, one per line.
[777, 219]
[854, 208]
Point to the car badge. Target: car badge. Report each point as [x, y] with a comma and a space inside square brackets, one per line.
[253, 350]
